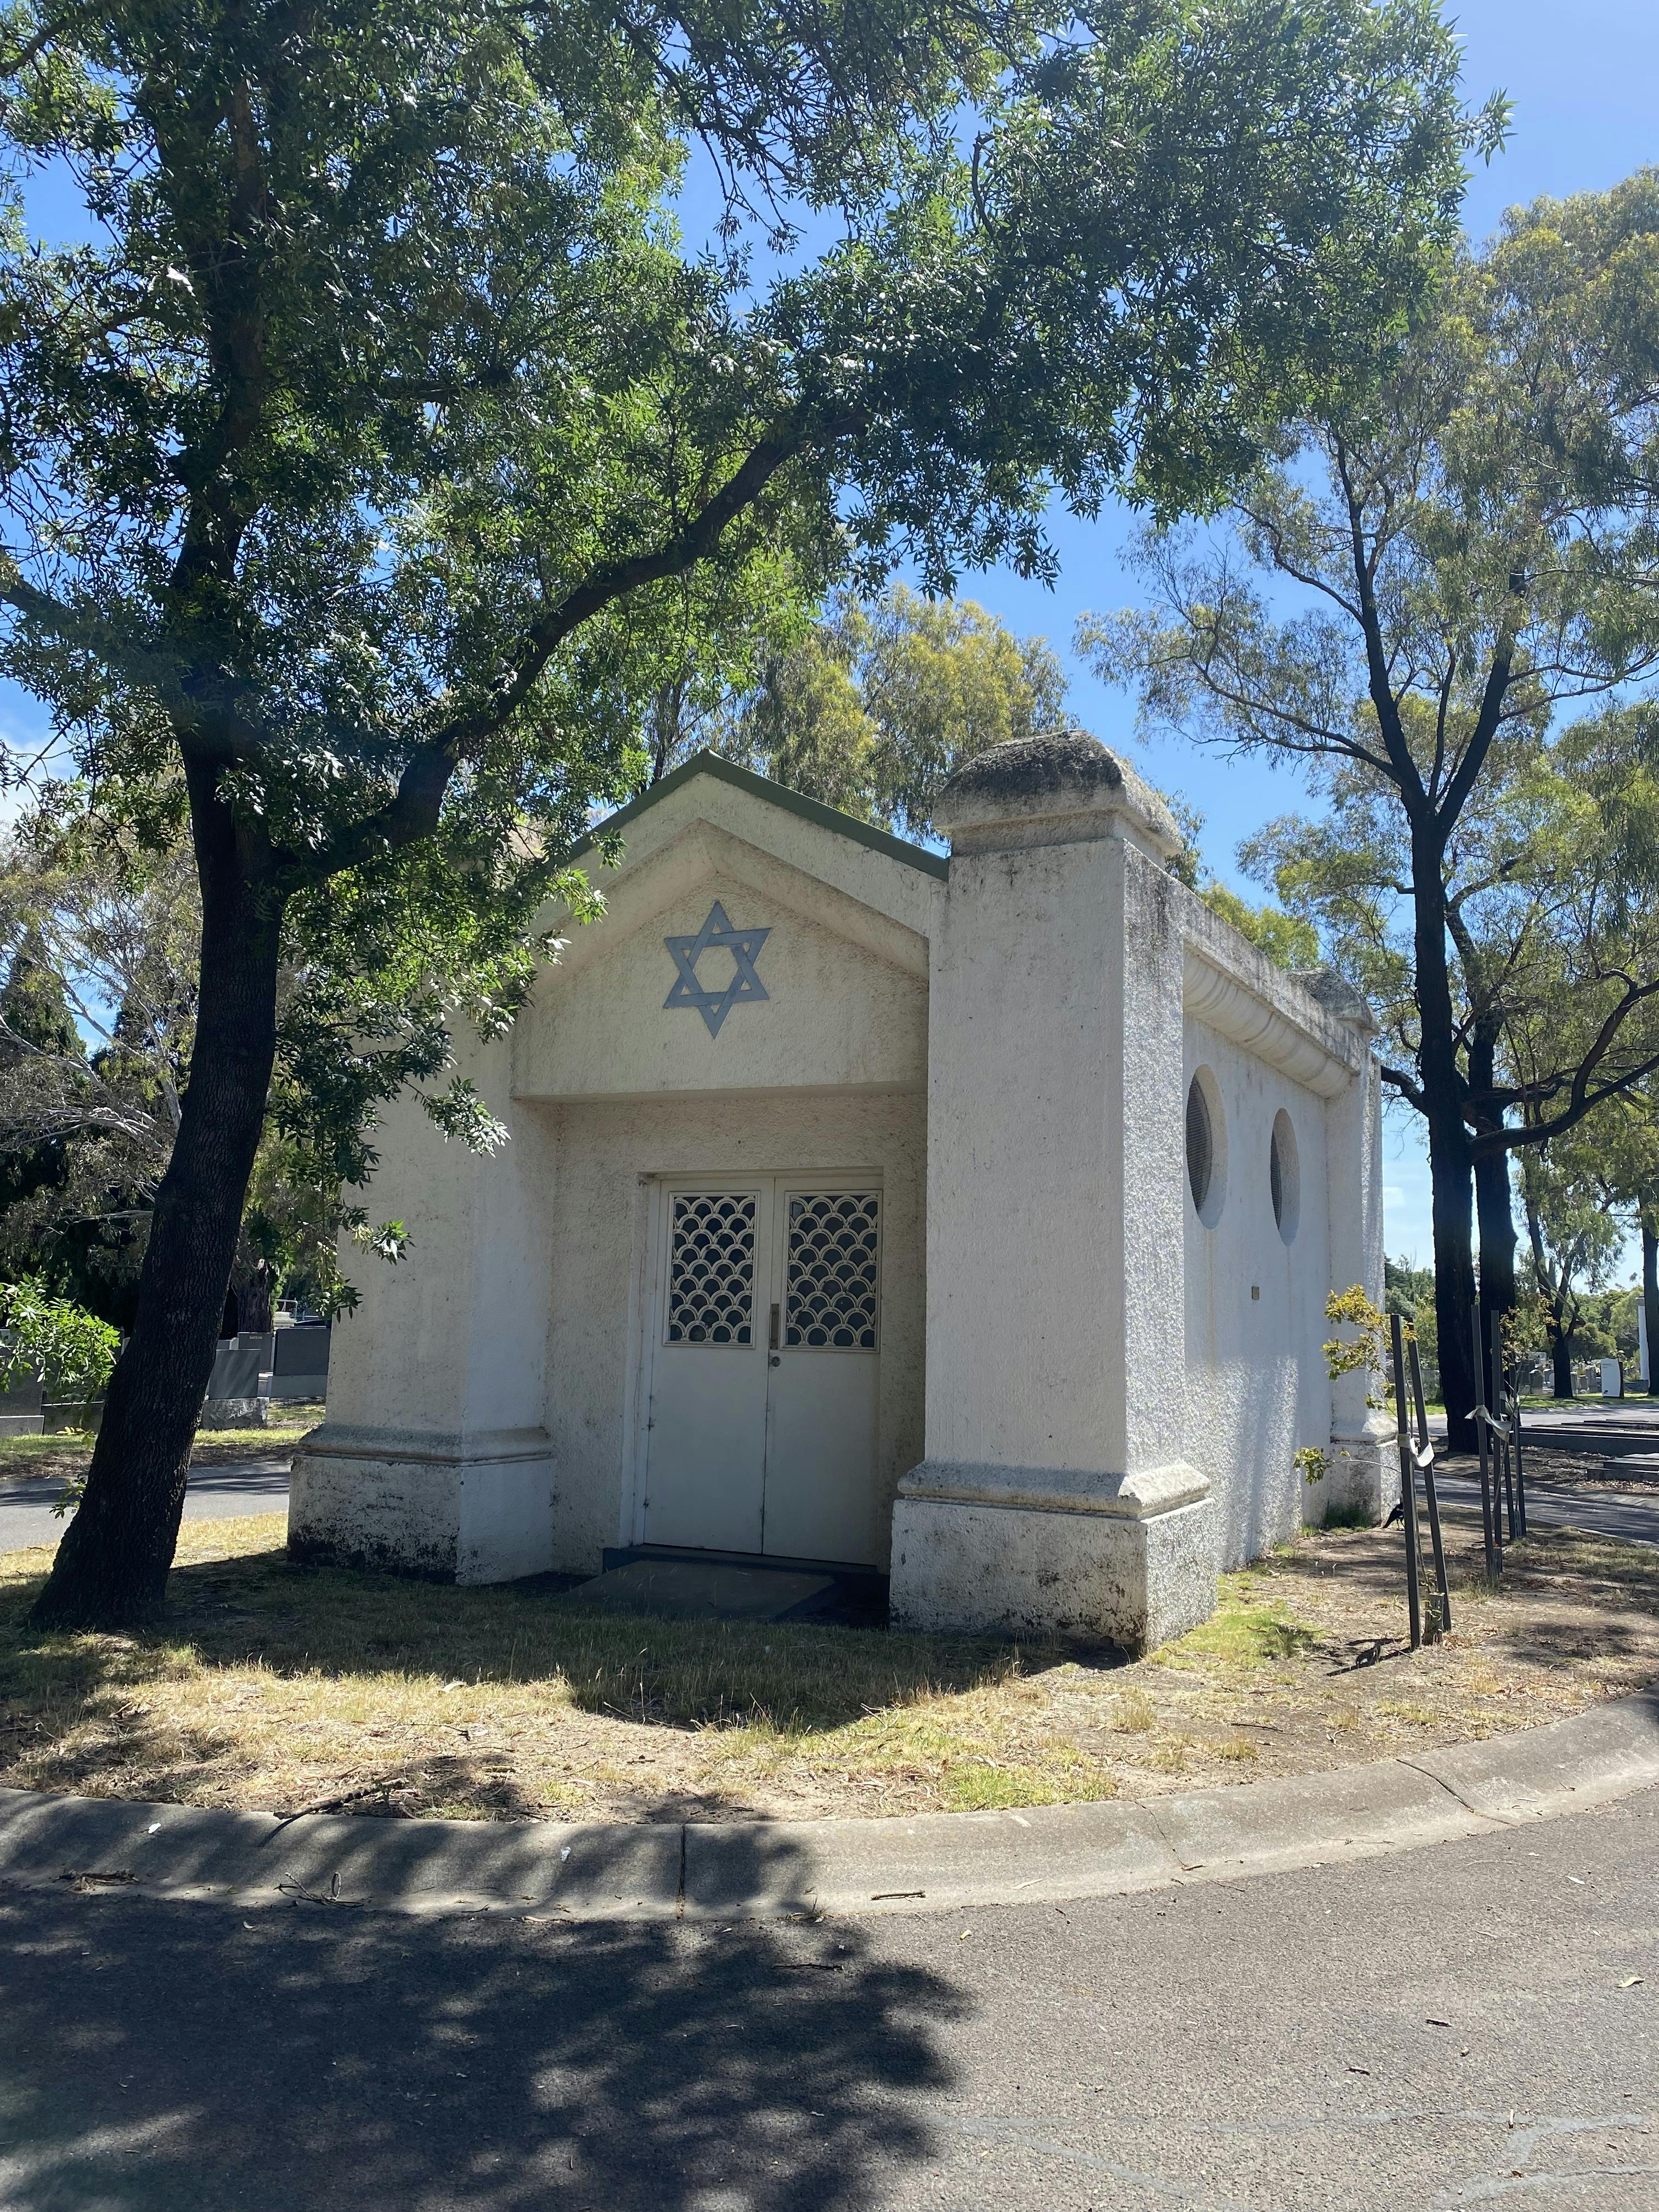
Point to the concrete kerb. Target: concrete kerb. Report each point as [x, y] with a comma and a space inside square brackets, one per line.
[767, 1869]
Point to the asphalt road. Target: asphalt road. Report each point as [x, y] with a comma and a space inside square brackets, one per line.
[1604, 1512]
[1440, 2029]
[214, 1493]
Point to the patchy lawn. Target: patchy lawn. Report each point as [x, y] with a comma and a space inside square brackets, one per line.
[69, 1452]
[279, 1686]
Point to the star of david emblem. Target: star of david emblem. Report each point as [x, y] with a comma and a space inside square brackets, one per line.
[716, 934]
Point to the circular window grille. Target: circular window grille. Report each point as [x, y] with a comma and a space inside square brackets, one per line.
[1200, 1144]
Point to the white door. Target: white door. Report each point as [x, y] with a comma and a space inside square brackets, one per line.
[706, 1464]
[760, 1431]
[821, 1456]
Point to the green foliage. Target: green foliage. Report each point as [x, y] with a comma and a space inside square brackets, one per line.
[1290, 940]
[71, 1350]
[98, 937]
[1409, 1292]
[1472, 548]
[943, 681]
[363, 461]
[1573, 1241]
[1367, 1351]
[873, 707]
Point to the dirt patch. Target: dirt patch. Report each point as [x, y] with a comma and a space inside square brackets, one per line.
[276, 1686]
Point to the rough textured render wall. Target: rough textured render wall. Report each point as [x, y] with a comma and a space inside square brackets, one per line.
[1025, 1234]
[600, 1300]
[1152, 1172]
[1256, 1386]
[450, 1342]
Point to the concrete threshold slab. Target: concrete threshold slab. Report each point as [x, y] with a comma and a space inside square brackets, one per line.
[680, 1589]
[757, 1870]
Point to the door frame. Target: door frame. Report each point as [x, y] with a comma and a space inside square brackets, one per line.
[645, 1320]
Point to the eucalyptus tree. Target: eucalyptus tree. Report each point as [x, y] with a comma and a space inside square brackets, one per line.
[1626, 1165]
[1406, 602]
[873, 706]
[1573, 1242]
[1552, 926]
[387, 379]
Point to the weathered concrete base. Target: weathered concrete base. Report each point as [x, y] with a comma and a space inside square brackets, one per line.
[21, 1425]
[475, 1509]
[1049, 1551]
[1363, 1477]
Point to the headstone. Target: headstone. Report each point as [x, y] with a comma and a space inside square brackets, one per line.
[298, 1365]
[238, 1364]
[1612, 1379]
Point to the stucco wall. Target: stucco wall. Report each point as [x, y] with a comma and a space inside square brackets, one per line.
[450, 1342]
[1256, 1386]
[840, 1007]
[607, 1152]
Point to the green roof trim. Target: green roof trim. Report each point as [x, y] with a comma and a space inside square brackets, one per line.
[775, 794]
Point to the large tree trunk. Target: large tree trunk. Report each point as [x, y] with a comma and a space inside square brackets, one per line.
[1561, 1362]
[112, 1566]
[1650, 1295]
[1451, 1200]
[1450, 1165]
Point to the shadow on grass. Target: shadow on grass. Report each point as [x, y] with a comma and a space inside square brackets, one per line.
[349, 1625]
[186, 2059]
[1566, 1593]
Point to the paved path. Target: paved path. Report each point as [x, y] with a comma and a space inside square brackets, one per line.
[1623, 1435]
[1604, 1512]
[1446, 2029]
[214, 1493]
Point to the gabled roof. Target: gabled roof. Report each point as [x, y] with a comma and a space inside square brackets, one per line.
[775, 794]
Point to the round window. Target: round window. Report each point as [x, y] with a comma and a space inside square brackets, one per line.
[1284, 1176]
[1206, 1147]
[1201, 1145]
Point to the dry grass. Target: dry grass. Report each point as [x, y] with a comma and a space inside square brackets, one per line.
[276, 1686]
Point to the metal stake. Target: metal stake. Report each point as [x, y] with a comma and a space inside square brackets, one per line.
[1407, 1490]
[1426, 1459]
[1490, 1529]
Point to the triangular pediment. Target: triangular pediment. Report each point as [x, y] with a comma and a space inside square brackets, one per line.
[743, 946]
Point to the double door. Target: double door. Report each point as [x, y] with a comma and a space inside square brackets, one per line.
[764, 1362]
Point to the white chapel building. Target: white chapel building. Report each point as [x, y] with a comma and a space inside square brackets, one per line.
[968, 1219]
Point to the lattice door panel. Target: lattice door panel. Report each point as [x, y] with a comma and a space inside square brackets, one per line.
[711, 1268]
[834, 1271]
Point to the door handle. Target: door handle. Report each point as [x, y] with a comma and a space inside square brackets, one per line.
[772, 1339]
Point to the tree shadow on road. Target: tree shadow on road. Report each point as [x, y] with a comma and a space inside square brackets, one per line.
[204, 2058]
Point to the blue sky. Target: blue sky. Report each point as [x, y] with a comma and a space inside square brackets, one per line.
[1585, 81]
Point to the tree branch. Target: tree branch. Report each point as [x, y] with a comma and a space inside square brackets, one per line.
[412, 813]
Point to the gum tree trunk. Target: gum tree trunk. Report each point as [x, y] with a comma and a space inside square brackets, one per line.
[1650, 1296]
[1494, 1211]
[1453, 1216]
[1451, 1168]
[112, 1564]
